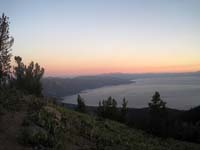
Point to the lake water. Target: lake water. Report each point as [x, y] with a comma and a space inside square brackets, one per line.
[178, 92]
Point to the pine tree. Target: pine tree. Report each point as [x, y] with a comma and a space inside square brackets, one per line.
[19, 73]
[157, 105]
[100, 109]
[6, 42]
[108, 109]
[158, 115]
[28, 78]
[124, 109]
[81, 104]
[33, 77]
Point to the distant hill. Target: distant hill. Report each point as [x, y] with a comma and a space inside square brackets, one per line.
[192, 115]
[60, 87]
[132, 76]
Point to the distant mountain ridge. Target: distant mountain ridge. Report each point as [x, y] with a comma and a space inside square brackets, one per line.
[151, 75]
[60, 87]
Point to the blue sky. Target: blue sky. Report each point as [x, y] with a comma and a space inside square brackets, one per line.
[98, 36]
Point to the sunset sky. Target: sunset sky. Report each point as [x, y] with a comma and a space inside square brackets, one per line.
[102, 36]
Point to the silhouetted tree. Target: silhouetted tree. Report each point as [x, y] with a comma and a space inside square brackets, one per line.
[28, 78]
[100, 109]
[6, 42]
[157, 105]
[81, 104]
[19, 73]
[108, 109]
[157, 122]
[124, 109]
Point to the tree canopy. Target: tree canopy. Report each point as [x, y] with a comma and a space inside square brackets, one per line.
[27, 78]
[81, 104]
[158, 115]
[6, 42]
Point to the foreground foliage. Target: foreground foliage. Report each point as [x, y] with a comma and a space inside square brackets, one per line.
[47, 125]
[54, 127]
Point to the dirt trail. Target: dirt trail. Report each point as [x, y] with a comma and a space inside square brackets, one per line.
[9, 127]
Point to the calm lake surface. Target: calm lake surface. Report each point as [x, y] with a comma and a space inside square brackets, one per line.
[178, 92]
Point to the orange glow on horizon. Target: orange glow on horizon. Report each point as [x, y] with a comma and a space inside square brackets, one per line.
[89, 70]
[74, 66]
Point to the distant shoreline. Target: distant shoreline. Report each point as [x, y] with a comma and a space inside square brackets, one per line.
[60, 88]
[86, 90]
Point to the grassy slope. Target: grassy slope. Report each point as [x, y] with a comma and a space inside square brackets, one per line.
[114, 135]
[75, 131]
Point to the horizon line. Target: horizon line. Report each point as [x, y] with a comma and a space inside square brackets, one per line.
[113, 73]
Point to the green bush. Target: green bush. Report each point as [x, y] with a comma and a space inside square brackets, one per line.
[35, 104]
[34, 136]
[11, 99]
[42, 128]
